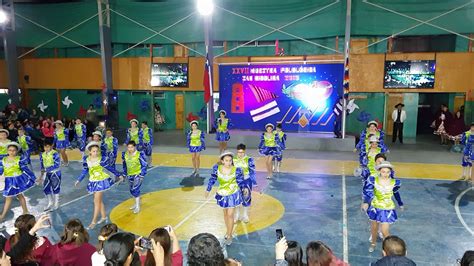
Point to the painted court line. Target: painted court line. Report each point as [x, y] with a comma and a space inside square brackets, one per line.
[193, 212]
[458, 212]
[345, 242]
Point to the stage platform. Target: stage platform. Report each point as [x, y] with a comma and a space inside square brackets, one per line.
[295, 140]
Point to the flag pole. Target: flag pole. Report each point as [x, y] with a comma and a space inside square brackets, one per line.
[210, 56]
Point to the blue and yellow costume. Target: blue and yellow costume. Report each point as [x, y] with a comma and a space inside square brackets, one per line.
[147, 140]
[367, 161]
[18, 177]
[80, 136]
[50, 162]
[134, 167]
[222, 129]
[269, 145]
[364, 138]
[381, 206]
[61, 138]
[26, 147]
[99, 180]
[247, 164]
[195, 141]
[3, 149]
[468, 154]
[228, 193]
[135, 134]
[282, 136]
[110, 148]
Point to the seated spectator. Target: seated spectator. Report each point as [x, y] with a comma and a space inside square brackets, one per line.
[119, 250]
[232, 262]
[205, 250]
[73, 248]
[48, 130]
[467, 258]
[98, 258]
[294, 254]
[280, 248]
[394, 252]
[317, 253]
[12, 131]
[173, 255]
[35, 249]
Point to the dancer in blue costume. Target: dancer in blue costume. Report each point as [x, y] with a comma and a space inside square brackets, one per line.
[196, 144]
[378, 202]
[247, 164]
[228, 193]
[80, 135]
[222, 125]
[95, 165]
[367, 157]
[147, 136]
[269, 147]
[4, 142]
[134, 133]
[26, 145]
[61, 140]
[97, 137]
[18, 178]
[365, 134]
[110, 145]
[134, 169]
[468, 154]
[278, 159]
[50, 175]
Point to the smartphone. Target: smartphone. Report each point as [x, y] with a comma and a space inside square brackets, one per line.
[145, 243]
[279, 234]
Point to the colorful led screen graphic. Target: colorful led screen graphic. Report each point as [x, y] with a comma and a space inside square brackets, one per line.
[301, 97]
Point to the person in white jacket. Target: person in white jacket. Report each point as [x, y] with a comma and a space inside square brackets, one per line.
[399, 116]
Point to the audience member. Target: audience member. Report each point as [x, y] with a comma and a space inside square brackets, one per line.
[280, 248]
[394, 252]
[173, 255]
[119, 250]
[205, 250]
[317, 253]
[467, 259]
[48, 130]
[98, 258]
[12, 131]
[294, 254]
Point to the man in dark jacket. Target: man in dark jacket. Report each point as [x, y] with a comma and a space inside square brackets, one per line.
[394, 251]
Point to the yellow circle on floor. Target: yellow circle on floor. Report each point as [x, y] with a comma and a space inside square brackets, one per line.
[190, 213]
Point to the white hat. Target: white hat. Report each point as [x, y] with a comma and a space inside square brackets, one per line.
[194, 121]
[373, 122]
[269, 125]
[98, 133]
[226, 153]
[223, 112]
[384, 164]
[373, 139]
[92, 144]
[14, 144]
[5, 131]
[134, 120]
[58, 122]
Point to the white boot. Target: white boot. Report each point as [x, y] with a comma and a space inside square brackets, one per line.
[274, 165]
[137, 205]
[149, 161]
[50, 202]
[245, 216]
[237, 214]
[55, 202]
[278, 164]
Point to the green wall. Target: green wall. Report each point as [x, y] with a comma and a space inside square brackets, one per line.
[371, 103]
[411, 108]
[48, 97]
[130, 101]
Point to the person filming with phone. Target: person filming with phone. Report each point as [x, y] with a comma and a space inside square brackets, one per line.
[166, 237]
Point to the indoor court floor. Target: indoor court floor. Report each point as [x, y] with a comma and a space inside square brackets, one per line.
[312, 199]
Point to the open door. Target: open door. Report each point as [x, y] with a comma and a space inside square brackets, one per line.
[179, 107]
[390, 101]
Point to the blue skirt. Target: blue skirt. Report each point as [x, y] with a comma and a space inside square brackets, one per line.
[382, 216]
[469, 160]
[270, 151]
[18, 184]
[196, 149]
[62, 144]
[222, 136]
[97, 186]
[230, 201]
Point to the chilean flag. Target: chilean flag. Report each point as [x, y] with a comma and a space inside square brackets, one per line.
[207, 81]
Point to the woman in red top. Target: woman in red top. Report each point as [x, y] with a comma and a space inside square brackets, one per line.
[73, 249]
[173, 256]
[35, 249]
[48, 130]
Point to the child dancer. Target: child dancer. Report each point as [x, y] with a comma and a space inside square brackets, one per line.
[26, 145]
[97, 137]
[282, 137]
[378, 203]
[3, 142]
[365, 134]
[111, 147]
[147, 141]
[95, 165]
[468, 154]
[367, 157]
[18, 178]
[134, 168]
[270, 147]
[134, 133]
[196, 144]
[81, 135]
[247, 164]
[50, 162]
[228, 194]
[222, 125]
[61, 140]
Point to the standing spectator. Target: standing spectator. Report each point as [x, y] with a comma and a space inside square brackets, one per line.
[48, 131]
[456, 128]
[443, 118]
[205, 249]
[399, 116]
[91, 115]
[159, 117]
[394, 251]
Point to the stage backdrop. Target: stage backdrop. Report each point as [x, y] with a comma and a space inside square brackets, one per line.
[301, 97]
